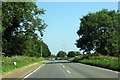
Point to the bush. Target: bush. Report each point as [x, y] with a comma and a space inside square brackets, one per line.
[76, 59]
[103, 61]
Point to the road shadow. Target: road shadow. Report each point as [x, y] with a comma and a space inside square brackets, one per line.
[58, 62]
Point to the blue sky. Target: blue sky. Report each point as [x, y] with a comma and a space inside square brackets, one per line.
[63, 19]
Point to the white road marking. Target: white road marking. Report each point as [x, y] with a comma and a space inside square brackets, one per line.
[68, 71]
[63, 66]
[100, 68]
[34, 71]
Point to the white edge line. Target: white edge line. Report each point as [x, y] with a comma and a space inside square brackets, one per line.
[34, 71]
[100, 68]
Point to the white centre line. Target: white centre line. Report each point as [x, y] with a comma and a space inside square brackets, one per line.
[63, 66]
[68, 71]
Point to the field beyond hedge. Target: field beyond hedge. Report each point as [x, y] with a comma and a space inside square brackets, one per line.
[21, 61]
[108, 62]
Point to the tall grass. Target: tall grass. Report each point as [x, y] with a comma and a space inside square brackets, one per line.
[8, 62]
[108, 62]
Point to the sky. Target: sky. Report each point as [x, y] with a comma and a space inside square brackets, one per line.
[63, 19]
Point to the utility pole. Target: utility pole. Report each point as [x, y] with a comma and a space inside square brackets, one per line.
[41, 47]
[41, 50]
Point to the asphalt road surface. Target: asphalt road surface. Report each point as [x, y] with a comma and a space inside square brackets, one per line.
[66, 69]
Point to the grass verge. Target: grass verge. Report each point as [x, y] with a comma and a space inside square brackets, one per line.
[21, 61]
[108, 62]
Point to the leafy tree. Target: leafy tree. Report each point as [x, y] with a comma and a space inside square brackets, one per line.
[71, 54]
[77, 53]
[19, 25]
[61, 54]
[22, 16]
[45, 50]
[38, 48]
[98, 31]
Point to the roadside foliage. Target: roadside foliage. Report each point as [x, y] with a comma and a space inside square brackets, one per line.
[21, 27]
[99, 39]
[21, 61]
[100, 32]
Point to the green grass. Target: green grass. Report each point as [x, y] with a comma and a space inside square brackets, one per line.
[102, 61]
[21, 61]
[70, 59]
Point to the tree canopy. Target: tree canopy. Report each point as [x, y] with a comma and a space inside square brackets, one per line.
[99, 32]
[71, 54]
[21, 26]
[61, 54]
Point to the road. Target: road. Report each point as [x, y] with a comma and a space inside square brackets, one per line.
[66, 69]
